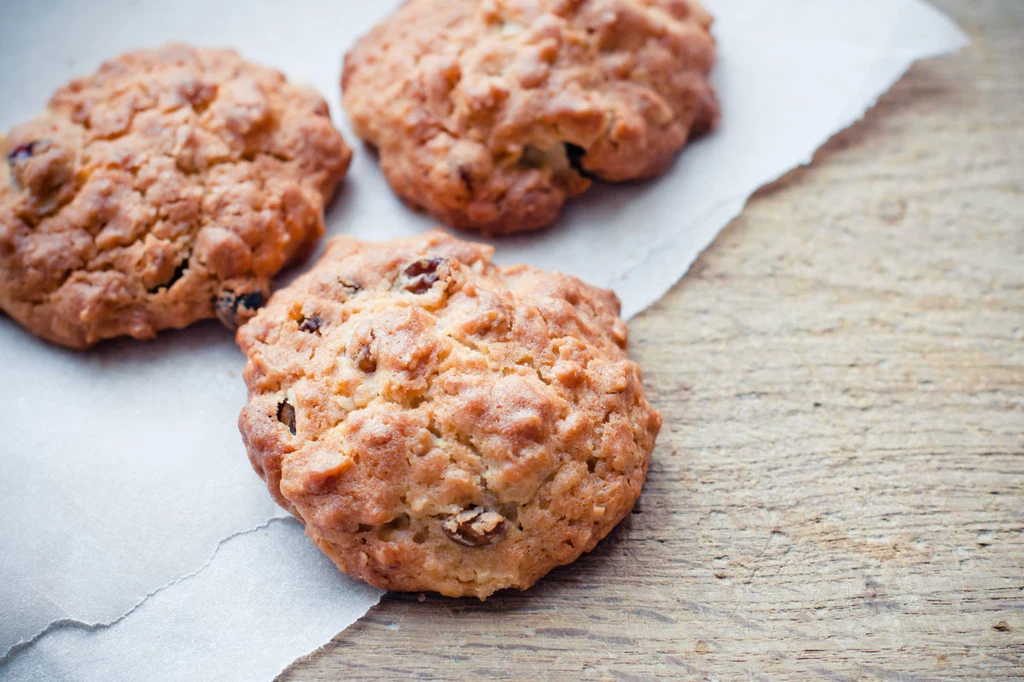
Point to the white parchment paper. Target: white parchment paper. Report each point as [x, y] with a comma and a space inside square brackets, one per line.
[124, 487]
[264, 620]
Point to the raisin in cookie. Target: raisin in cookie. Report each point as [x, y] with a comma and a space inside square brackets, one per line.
[167, 187]
[441, 423]
[490, 114]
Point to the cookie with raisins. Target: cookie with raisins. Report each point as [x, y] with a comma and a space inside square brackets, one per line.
[442, 423]
[167, 187]
[491, 114]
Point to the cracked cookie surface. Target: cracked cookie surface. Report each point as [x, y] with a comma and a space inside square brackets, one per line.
[441, 423]
[490, 114]
[167, 187]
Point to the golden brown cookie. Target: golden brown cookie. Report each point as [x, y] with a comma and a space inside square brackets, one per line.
[167, 187]
[441, 423]
[490, 114]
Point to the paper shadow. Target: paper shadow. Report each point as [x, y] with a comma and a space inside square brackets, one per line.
[125, 351]
[603, 202]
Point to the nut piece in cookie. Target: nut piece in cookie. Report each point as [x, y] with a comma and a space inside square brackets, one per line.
[167, 187]
[441, 423]
[490, 114]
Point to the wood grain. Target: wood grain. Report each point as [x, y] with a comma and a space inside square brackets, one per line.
[838, 492]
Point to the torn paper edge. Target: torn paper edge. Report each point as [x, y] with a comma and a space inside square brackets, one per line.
[737, 203]
[61, 623]
[76, 653]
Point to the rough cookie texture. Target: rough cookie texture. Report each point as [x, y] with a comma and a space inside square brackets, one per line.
[489, 114]
[440, 423]
[167, 187]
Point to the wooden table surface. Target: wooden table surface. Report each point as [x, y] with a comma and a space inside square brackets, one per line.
[838, 490]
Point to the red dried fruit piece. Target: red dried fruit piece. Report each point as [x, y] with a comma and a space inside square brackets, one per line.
[21, 152]
[286, 414]
[235, 309]
[351, 287]
[422, 274]
[575, 153]
[178, 273]
[311, 324]
[474, 527]
[365, 360]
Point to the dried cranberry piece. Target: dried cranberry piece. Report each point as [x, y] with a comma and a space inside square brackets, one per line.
[575, 154]
[311, 324]
[250, 302]
[286, 414]
[474, 527]
[422, 274]
[175, 276]
[233, 309]
[224, 306]
[364, 358]
[21, 152]
[350, 287]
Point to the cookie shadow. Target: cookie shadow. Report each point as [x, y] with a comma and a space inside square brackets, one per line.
[603, 202]
[123, 352]
[575, 582]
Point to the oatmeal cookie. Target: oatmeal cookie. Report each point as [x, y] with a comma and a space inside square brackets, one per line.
[167, 187]
[490, 114]
[441, 423]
